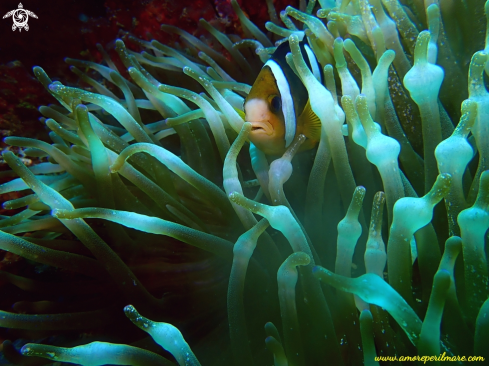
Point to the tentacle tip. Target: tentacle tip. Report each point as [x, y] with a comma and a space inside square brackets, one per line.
[485, 173]
[361, 101]
[55, 88]
[349, 43]
[289, 9]
[480, 56]
[444, 272]
[26, 350]
[469, 105]
[82, 108]
[130, 311]
[361, 189]
[129, 308]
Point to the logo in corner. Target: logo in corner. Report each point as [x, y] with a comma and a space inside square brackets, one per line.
[20, 17]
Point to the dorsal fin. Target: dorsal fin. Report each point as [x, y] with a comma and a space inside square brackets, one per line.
[311, 124]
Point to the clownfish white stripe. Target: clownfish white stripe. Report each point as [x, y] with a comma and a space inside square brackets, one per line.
[287, 102]
[313, 62]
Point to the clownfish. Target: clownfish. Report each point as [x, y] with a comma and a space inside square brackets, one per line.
[278, 105]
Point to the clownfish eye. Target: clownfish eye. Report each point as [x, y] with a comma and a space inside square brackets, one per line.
[276, 104]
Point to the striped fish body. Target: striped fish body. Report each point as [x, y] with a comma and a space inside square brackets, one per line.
[278, 105]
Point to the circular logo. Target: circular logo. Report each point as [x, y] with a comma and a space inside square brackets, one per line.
[20, 17]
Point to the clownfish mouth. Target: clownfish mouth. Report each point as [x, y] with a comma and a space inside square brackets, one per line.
[261, 127]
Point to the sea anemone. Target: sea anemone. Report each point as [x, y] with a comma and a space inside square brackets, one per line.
[154, 204]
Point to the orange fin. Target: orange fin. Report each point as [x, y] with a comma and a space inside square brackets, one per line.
[311, 124]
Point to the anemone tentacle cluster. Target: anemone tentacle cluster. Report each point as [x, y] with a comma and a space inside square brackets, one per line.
[152, 198]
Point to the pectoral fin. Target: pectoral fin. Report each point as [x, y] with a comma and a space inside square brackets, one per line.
[241, 113]
[311, 124]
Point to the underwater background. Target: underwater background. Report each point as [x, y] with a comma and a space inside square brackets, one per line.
[139, 225]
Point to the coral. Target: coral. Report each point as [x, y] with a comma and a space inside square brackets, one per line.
[154, 211]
